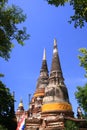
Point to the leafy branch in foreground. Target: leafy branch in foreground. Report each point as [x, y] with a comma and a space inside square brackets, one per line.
[10, 18]
[57, 2]
[80, 10]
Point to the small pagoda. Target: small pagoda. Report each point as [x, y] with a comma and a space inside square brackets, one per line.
[20, 111]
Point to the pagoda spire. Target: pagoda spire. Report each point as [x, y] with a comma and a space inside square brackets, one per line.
[42, 82]
[56, 71]
[55, 60]
[43, 72]
[44, 67]
[21, 106]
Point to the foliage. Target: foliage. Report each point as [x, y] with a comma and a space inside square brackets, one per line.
[2, 128]
[80, 10]
[1, 75]
[7, 114]
[6, 100]
[10, 18]
[57, 2]
[70, 125]
[81, 93]
[83, 59]
[81, 96]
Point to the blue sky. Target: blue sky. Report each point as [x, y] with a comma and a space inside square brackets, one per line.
[44, 23]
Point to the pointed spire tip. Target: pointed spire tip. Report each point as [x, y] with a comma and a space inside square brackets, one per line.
[55, 42]
[44, 54]
[55, 46]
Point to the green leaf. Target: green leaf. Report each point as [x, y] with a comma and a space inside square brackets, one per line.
[10, 18]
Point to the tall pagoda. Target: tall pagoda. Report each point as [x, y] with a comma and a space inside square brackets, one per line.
[56, 99]
[56, 104]
[50, 107]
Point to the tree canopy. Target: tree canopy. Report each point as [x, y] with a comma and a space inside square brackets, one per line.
[81, 93]
[2, 128]
[71, 125]
[81, 96]
[7, 114]
[83, 59]
[80, 10]
[10, 18]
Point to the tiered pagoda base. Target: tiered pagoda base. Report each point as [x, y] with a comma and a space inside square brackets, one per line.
[54, 122]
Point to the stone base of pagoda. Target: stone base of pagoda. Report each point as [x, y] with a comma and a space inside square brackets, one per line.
[56, 114]
[32, 124]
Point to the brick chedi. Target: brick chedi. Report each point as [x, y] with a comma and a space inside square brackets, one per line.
[37, 99]
[42, 82]
[50, 107]
[56, 102]
[56, 95]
